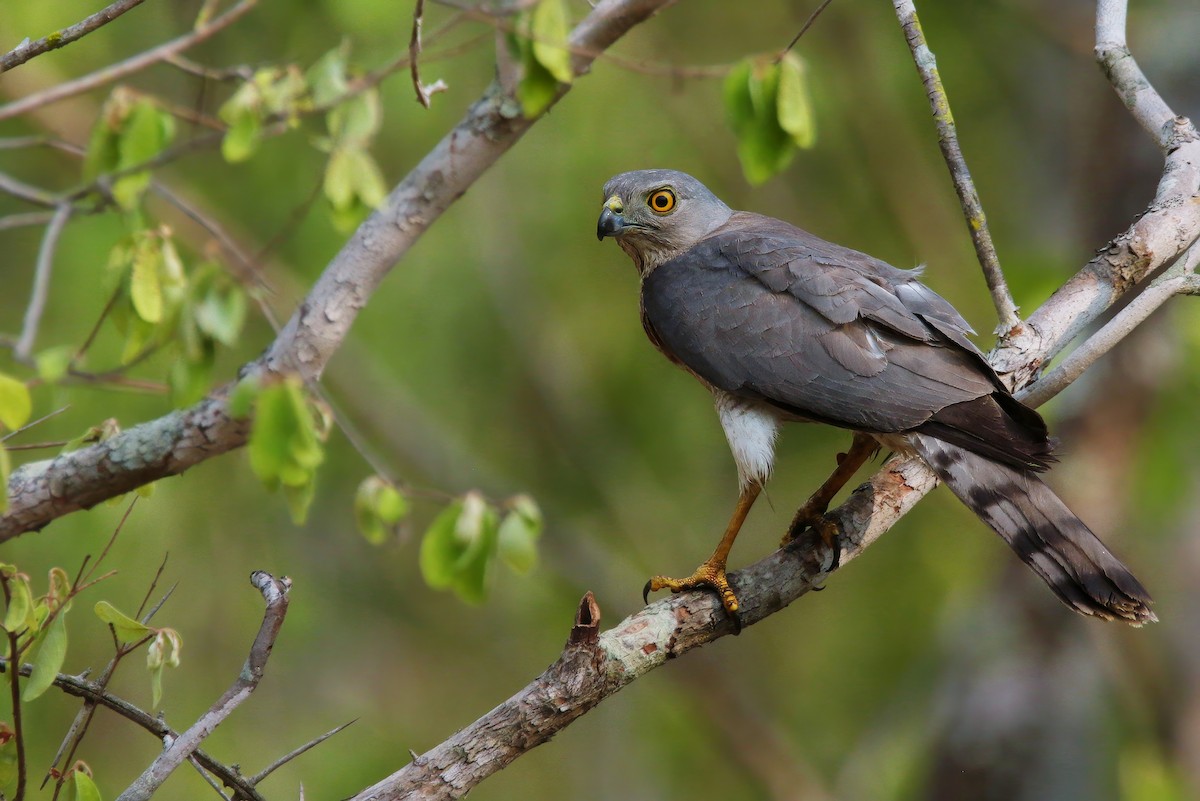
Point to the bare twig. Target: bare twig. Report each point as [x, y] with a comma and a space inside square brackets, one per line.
[35, 423]
[1178, 279]
[30, 194]
[41, 282]
[127, 67]
[981, 237]
[27, 50]
[1136, 92]
[79, 687]
[414, 51]
[15, 692]
[275, 593]
[288, 757]
[24, 220]
[808, 23]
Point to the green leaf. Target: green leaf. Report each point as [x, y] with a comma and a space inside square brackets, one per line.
[127, 629]
[299, 498]
[243, 137]
[156, 674]
[85, 788]
[356, 122]
[549, 29]
[377, 507]
[752, 105]
[243, 396]
[339, 179]
[145, 131]
[162, 653]
[518, 535]
[145, 286]
[368, 180]
[794, 104]
[327, 77]
[49, 659]
[15, 403]
[470, 578]
[440, 548]
[221, 313]
[538, 87]
[102, 152]
[19, 614]
[52, 364]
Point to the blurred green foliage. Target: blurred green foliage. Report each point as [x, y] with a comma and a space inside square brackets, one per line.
[504, 356]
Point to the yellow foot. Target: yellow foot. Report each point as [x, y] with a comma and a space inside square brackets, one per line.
[825, 529]
[707, 575]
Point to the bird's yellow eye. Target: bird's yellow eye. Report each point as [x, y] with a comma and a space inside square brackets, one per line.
[662, 201]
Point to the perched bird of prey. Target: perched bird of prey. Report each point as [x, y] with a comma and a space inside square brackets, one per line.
[782, 326]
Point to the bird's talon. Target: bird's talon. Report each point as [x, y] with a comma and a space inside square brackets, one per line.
[708, 575]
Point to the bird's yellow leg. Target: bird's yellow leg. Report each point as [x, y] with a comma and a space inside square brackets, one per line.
[712, 572]
[812, 513]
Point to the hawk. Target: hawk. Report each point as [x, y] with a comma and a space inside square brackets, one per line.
[782, 326]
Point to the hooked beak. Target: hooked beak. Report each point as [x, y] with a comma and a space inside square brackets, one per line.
[611, 222]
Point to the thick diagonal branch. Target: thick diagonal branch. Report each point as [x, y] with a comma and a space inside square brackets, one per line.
[27, 50]
[42, 491]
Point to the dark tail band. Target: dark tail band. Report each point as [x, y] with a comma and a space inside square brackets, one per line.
[1041, 529]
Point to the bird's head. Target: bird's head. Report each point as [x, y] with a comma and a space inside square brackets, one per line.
[657, 214]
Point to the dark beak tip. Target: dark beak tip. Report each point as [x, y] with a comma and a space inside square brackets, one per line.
[609, 224]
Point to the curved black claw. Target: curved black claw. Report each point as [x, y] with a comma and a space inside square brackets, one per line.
[646, 593]
[735, 617]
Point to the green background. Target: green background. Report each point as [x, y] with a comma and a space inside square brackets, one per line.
[504, 354]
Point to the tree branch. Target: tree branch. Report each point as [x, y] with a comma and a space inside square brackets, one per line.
[80, 687]
[981, 237]
[27, 50]
[41, 282]
[42, 491]
[1126, 77]
[127, 67]
[275, 593]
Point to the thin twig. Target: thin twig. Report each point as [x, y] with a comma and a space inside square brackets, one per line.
[154, 583]
[808, 23]
[981, 237]
[275, 593]
[41, 282]
[1176, 280]
[15, 688]
[288, 757]
[414, 51]
[24, 220]
[1136, 92]
[27, 50]
[204, 774]
[28, 193]
[127, 67]
[91, 691]
[34, 423]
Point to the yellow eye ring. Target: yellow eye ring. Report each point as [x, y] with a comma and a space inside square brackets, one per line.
[662, 201]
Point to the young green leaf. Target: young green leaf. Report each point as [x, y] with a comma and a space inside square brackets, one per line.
[440, 548]
[377, 507]
[299, 497]
[221, 312]
[15, 403]
[48, 660]
[243, 397]
[144, 133]
[145, 283]
[53, 363]
[794, 102]
[19, 616]
[517, 543]
[355, 122]
[127, 629]
[548, 27]
[537, 88]
[752, 105]
[85, 787]
[470, 577]
[242, 139]
[327, 77]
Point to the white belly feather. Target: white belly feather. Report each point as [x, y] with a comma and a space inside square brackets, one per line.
[751, 429]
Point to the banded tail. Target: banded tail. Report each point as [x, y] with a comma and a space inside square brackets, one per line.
[1048, 537]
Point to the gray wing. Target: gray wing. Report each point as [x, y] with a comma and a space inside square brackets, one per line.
[764, 310]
